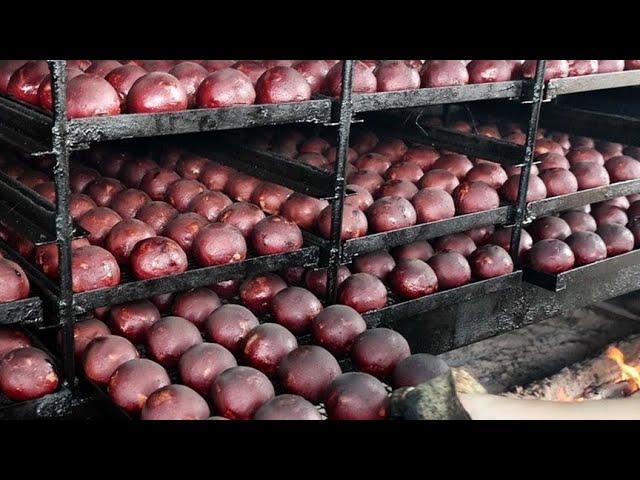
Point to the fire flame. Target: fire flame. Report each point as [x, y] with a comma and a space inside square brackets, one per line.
[628, 373]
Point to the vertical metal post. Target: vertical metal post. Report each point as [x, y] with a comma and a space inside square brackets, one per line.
[337, 206]
[64, 225]
[532, 128]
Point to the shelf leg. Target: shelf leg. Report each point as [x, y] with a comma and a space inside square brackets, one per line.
[344, 128]
[532, 128]
[64, 225]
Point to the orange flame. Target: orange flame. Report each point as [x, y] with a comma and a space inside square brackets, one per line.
[629, 373]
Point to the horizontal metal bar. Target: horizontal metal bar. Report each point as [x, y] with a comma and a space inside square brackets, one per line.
[83, 131]
[424, 231]
[272, 167]
[586, 83]
[198, 277]
[586, 273]
[583, 197]
[368, 102]
[27, 311]
[24, 126]
[479, 146]
[606, 126]
[10, 216]
[464, 293]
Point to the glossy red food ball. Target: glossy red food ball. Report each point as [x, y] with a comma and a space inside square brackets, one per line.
[451, 269]
[363, 292]
[102, 190]
[224, 88]
[471, 197]
[157, 215]
[397, 188]
[219, 244]
[455, 242]
[364, 81]
[102, 67]
[307, 371]
[83, 332]
[302, 209]
[489, 173]
[190, 75]
[201, 364]
[266, 345]
[418, 250]
[373, 162]
[391, 213]
[438, 178]
[7, 68]
[579, 221]
[617, 238]
[81, 176]
[590, 175]
[157, 92]
[251, 68]
[90, 95]
[294, 308]
[12, 339]
[490, 261]
[15, 284]
[122, 79]
[27, 373]
[413, 279]
[209, 204]
[622, 168]
[257, 292]
[156, 181]
[124, 236]
[432, 204]
[354, 223]
[280, 85]
[131, 320]
[276, 234]
[392, 148]
[358, 197]
[93, 267]
[229, 324]
[378, 264]
[536, 190]
[393, 75]
[416, 369]
[195, 305]
[486, 71]
[157, 257]
[356, 396]
[25, 81]
[366, 179]
[559, 181]
[242, 215]
[179, 194]
[549, 227]
[240, 186]
[584, 155]
[315, 279]
[551, 256]
[287, 407]
[134, 381]
[103, 356]
[127, 202]
[175, 402]
[237, 393]
[378, 351]
[587, 247]
[134, 171]
[422, 156]
[168, 338]
[184, 228]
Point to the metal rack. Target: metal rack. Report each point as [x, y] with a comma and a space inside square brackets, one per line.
[36, 132]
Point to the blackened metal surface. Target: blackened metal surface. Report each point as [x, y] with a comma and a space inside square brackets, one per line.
[339, 182]
[10, 216]
[83, 131]
[501, 151]
[27, 311]
[367, 102]
[24, 126]
[64, 224]
[583, 197]
[605, 126]
[408, 308]
[62, 405]
[523, 185]
[585, 83]
[272, 167]
[586, 273]
[424, 231]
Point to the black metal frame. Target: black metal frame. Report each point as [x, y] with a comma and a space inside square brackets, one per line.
[35, 132]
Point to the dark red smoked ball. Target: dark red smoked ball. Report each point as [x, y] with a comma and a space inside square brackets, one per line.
[257, 292]
[195, 305]
[489, 173]
[131, 320]
[15, 284]
[439, 178]
[357, 396]
[361, 198]
[393, 75]
[416, 369]
[127, 202]
[608, 214]
[590, 175]
[307, 371]
[314, 72]
[622, 168]
[433, 204]
[83, 332]
[157, 92]
[99, 222]
[302, 209]
[471, 197]
[157, 215]
[579, 221]
[378, 264]
[184, 228]
[102, 190]
[133, 382]
[242, 215]
[397, 188]
[363, 292]
[209, 204]
[224, 88]
[451, 268]
[422, 156]
[559, 181]
[336, 328]
[91, 95]
[287, 407]
[584, 155]
[81, 176]
[551, 256]
[93, 267]
[366, 179]
[418, 250]
[251, 68]
[413, 279]
[276, 234]
[12, 339]
[237, 393]
[549, 227]
[266, 345]
[354, 222]
[201, 364]
[27, 373]
[156, 181]
[157, 257]
[219, 244]
[102, 67]
[378, 351]
[25, 81]
[190, 75]
[179, 194]
[280, 85]
[229, 325]
[455, 242]
[294, 308]
[391, 213]
[364, 81]
[240, 186]
[175, 402]
[587, 247]
[617, 238]
[536, 189]
[490, 261]
[134, 171]
[122, 79]
[315, 279]
[169, 338]
[103, 356]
